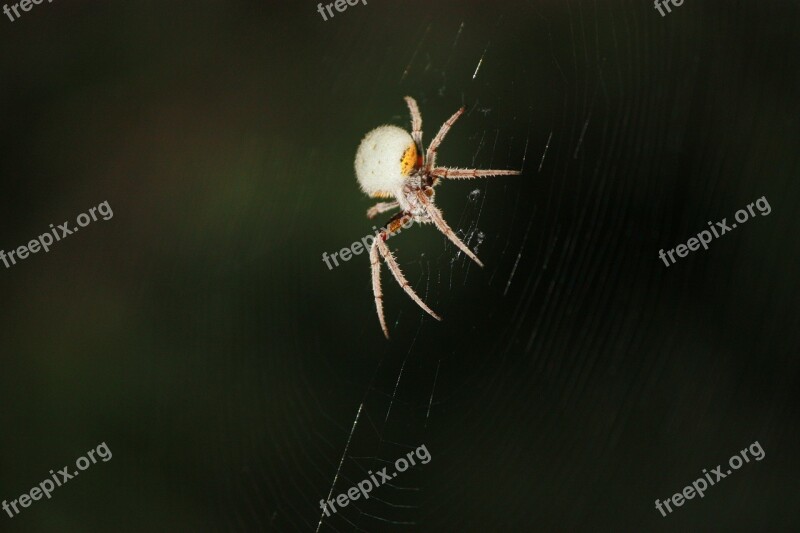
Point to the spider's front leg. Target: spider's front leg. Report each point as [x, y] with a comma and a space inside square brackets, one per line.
[438, 220]
[430, 156]
[379, 246]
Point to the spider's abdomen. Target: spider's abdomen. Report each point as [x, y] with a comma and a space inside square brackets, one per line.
[384, 159]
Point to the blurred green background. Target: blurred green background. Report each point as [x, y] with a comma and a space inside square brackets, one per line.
[573, 381]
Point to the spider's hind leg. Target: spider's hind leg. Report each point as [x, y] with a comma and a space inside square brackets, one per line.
[416, 122]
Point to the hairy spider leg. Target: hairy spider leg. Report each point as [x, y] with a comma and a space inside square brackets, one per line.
[416, 124]
[430, 158]
[379, 245]
[469, 173]
[381, 207]
[438, 220]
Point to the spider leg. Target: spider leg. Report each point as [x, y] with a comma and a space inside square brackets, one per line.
[381, 207]
[438, 220]
[416, 122]
[431, 155]
[394, 268]
[379, 245]
[469, 173]
[375, 263]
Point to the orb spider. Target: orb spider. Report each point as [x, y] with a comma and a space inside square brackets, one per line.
[390, 162]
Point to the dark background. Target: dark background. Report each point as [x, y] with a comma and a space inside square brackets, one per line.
[574, 379]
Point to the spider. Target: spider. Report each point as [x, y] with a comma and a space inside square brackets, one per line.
[390, 162]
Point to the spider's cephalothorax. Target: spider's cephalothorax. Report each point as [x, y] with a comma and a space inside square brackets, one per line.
[390, 162]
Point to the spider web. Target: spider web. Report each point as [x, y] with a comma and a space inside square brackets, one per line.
[396, 409]
[239, 381]
[567, 299]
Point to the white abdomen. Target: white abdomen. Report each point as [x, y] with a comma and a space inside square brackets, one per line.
[384, 159]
